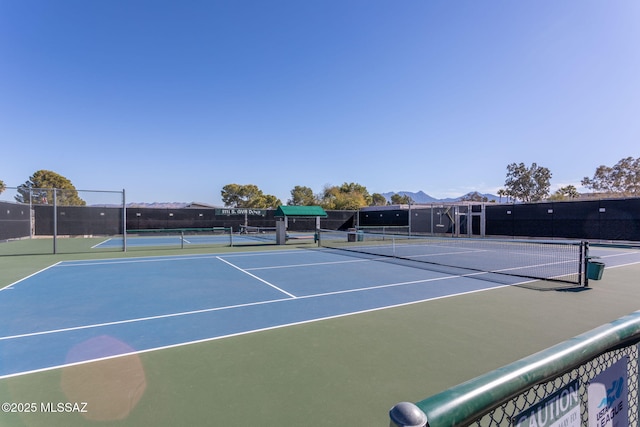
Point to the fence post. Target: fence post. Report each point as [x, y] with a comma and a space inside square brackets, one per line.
[407, 414]
[55, 221]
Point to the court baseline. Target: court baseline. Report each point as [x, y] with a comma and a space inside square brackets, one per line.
[47, 319]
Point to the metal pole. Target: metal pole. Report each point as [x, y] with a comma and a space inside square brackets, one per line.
[432, 219]
[124, 222]
[583, 268]
[55, 221]
[409, 217]
[31, 216]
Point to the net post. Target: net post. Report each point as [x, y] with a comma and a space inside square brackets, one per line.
[181, 239]
[584, 262]
[407, 414]
[230, 236]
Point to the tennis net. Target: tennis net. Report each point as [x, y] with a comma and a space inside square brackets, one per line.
[182, 237]
[556, 261]
[258, 233]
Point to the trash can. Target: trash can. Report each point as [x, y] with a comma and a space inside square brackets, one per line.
[594, 270]
[351, 236]
[360, 236]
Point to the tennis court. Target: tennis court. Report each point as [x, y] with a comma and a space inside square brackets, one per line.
[276, 310]
[192, 237]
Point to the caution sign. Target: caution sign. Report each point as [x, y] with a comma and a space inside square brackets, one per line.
[561, 409]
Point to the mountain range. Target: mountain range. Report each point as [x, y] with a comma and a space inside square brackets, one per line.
[422, 197]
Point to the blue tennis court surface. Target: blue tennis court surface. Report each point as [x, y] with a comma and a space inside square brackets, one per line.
[78, 311]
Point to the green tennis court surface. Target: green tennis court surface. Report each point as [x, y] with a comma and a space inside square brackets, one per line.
[346, 370]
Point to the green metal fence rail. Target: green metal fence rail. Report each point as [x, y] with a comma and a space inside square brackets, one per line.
[511, 394]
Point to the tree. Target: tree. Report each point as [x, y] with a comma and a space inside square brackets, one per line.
[248, 196]
[474, 197]
[302, 196]
[268, 201]
[564, 193]
[527, 184]
[349, 196]
[401, 199]
[622, 179]
[2, 186]
[39, 190]
[378, 199]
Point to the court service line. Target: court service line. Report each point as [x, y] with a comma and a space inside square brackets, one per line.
[269, 328]
[230, 307]
[141, 319]
[256, 277]
[310, 264]
[133, 260]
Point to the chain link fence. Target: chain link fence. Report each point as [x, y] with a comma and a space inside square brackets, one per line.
[590, 380]
[515, 411]
[47, 220]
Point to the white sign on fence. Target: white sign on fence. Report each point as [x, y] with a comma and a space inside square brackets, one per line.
[608, 397]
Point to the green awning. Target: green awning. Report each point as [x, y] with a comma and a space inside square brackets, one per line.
[301, 211]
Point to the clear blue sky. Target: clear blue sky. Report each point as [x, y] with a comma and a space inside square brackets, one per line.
[172, 100]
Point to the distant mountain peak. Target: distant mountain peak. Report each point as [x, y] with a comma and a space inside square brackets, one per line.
[421, 197]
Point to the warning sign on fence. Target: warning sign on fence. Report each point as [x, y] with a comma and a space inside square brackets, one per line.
[561, 409]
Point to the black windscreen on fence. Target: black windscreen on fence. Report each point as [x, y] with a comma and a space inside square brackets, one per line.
[620, 219]
[576, 220]
[15, 221]
[533, 220]
[155, 218]
[388, 217]
[78, 220]
[607, 219]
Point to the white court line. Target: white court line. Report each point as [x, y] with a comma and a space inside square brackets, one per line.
[103, 261]
[140, 319]
[260, 329]
[337, 316]
[311, 264]
[257, 278]
[207, 310]
[616, 255]
[101, 243]
[10, 286]
[133, 260]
